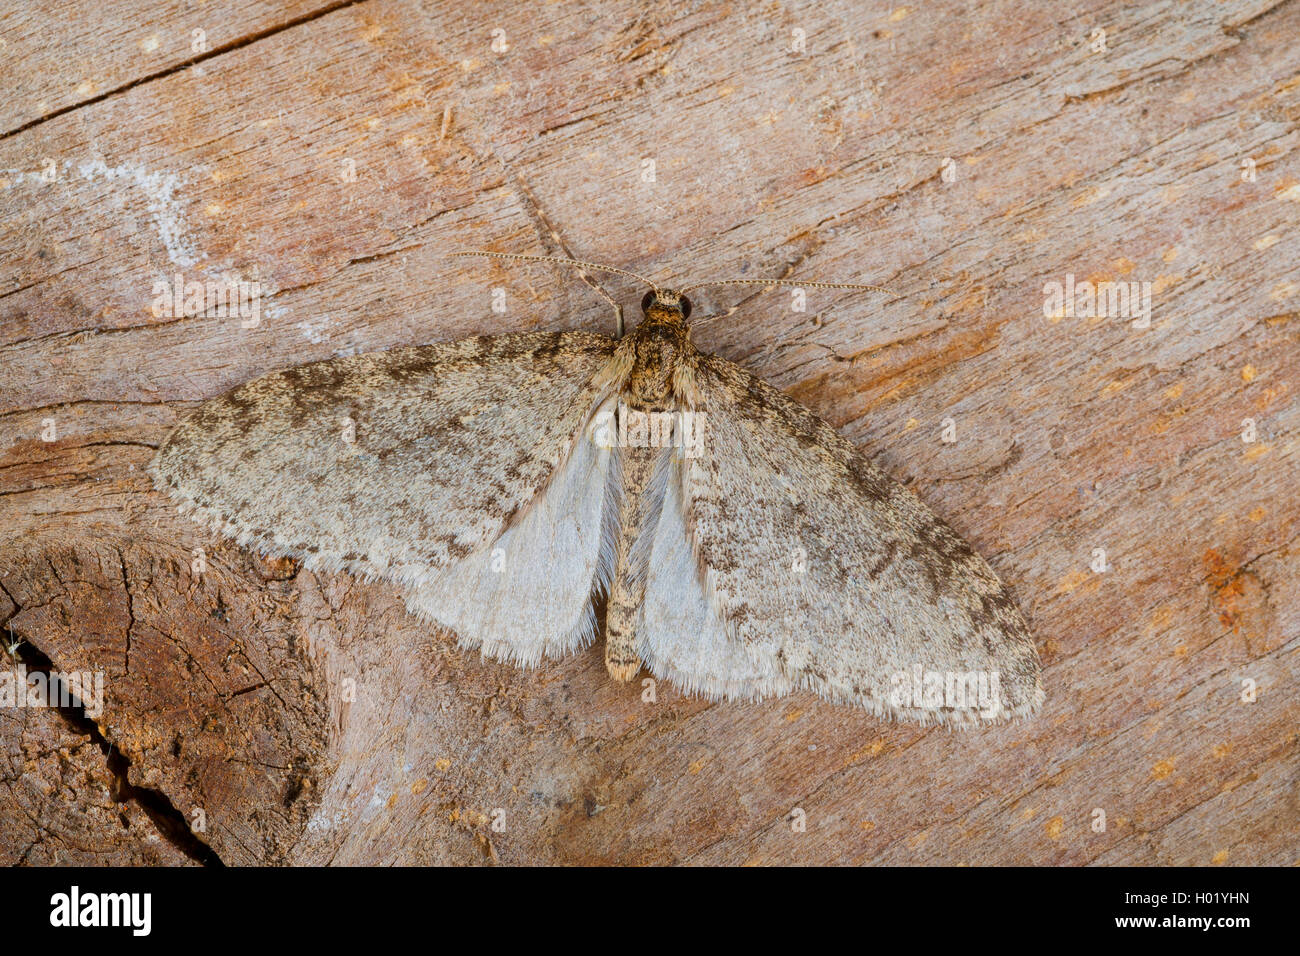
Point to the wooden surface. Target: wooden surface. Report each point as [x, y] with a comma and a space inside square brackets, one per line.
[312, 721]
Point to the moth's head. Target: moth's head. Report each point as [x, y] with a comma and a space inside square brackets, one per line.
[665, 311]
[666, 306]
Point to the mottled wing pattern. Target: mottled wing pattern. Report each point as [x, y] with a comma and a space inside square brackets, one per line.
[411, 464]
[530, 593]
[812, 569]
[680, 634]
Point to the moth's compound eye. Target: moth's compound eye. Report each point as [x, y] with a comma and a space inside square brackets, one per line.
[686, 308]
[646, 301]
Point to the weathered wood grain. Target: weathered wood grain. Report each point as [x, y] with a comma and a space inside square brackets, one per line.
[312, 721]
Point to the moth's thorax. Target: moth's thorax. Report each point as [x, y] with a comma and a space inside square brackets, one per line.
[659, 348]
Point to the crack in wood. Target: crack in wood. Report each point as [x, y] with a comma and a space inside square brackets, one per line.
[169, 821]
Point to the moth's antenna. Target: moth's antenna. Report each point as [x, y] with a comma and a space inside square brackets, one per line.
[797, 284]
[579, 263]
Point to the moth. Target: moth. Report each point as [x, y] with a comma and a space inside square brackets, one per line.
[512, 486]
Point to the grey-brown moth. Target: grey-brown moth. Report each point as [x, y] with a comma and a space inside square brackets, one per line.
[513, 485]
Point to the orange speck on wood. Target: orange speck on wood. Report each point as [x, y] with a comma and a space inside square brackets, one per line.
[973, 301]
[1271, 394]
[1072, 581]
[1054, 827]
[1163, 769]
[1217, 571]
[872, 749]
[1089, 195]
[1288, 190]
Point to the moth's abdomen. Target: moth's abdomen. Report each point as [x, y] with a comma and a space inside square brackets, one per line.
[644, 472]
